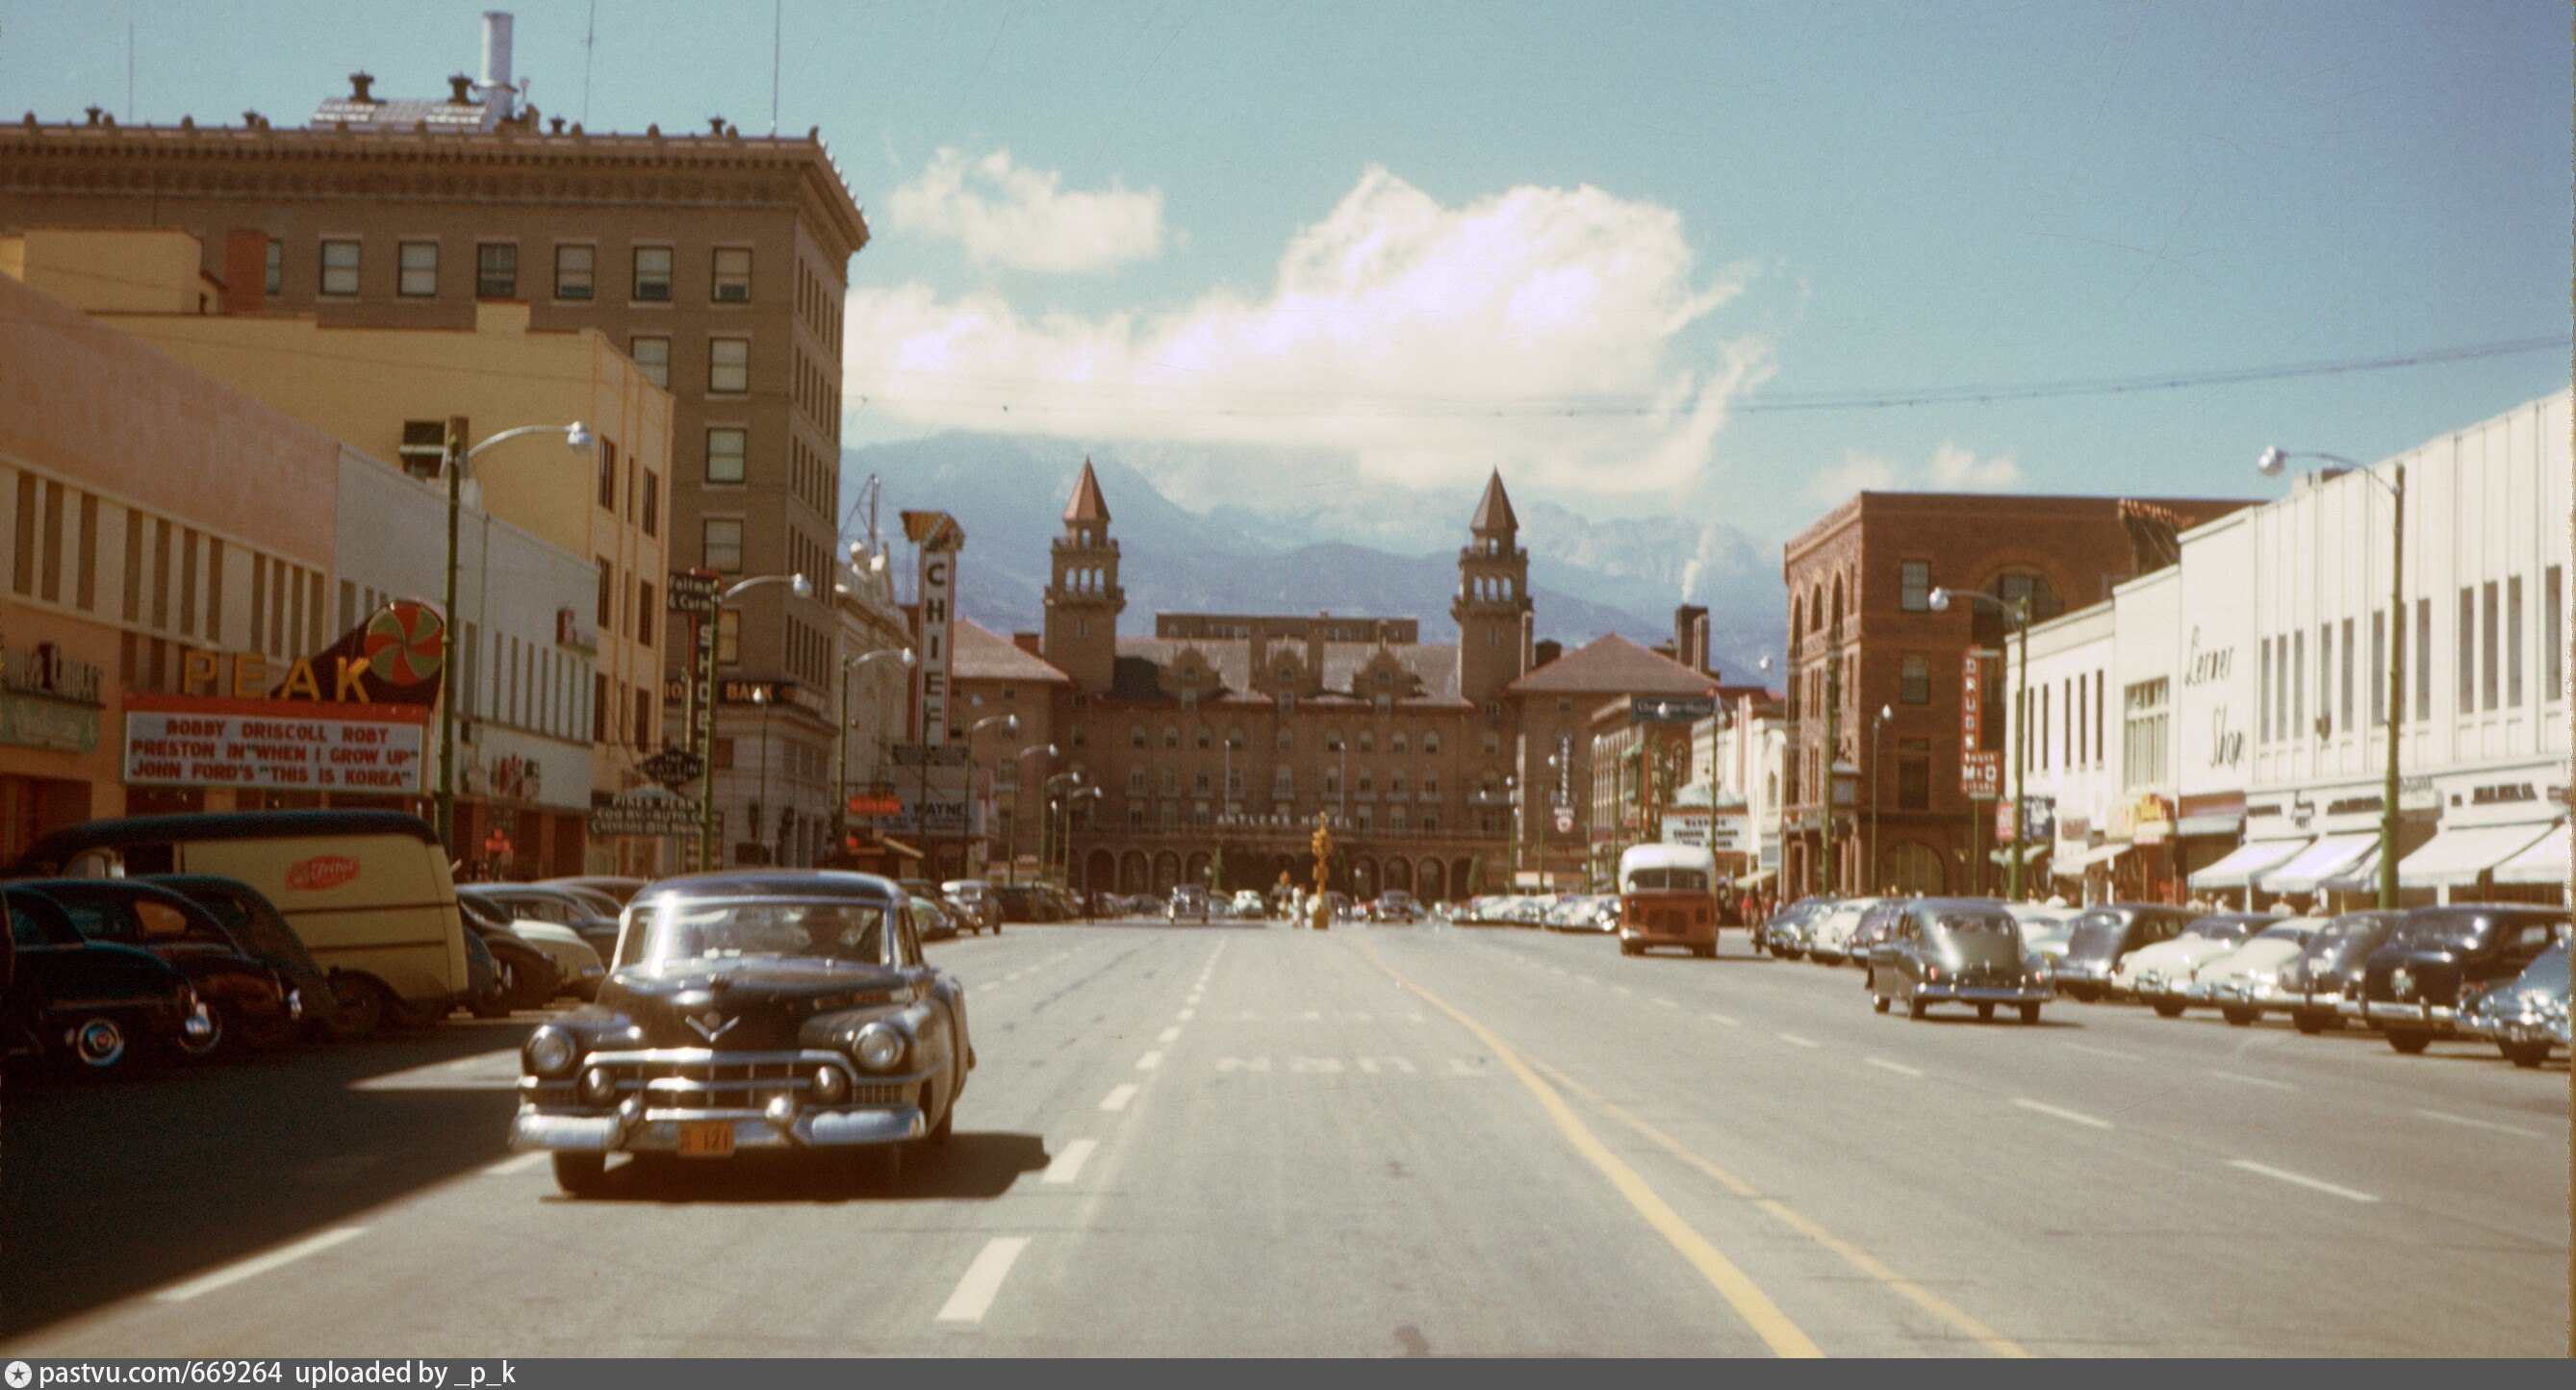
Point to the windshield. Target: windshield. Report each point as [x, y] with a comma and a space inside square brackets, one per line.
[674, 931]
[2548, 974]
[2443, 932]
[1667, 881]
[1976, 935]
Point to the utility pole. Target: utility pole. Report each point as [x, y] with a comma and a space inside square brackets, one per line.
[453, 460]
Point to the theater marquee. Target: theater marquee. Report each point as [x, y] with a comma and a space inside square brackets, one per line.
[276, 745]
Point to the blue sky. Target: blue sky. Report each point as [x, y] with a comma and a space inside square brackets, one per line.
[1387, 245]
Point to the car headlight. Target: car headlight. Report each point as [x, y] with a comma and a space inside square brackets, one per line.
[550, 1051]
[598, 1087]
[831, 1084]
[878, 1047]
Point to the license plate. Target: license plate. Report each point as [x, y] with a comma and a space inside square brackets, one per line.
[706, 1139]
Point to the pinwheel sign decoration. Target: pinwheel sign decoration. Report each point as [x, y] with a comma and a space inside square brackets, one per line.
[406, 643]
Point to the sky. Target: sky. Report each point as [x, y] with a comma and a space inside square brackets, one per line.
[1610, 249]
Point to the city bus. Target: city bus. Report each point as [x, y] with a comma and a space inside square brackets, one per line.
[1668, 897]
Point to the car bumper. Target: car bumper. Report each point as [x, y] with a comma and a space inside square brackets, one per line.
[633, 1129]
[2524, 1029]
[1981, 994]
[2382, 1013]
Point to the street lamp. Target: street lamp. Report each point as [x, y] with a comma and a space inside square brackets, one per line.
[1780, 789]
[455, 458]
[1876, 727]
[1012, 870]
[850, 666]
[2017, 612]
[760, 803]
[1070, 778]
[707, 704]
[2270, 465]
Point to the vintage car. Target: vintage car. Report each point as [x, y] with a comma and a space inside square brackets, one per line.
[1955, 951]
[1396, 905]
[2159, 975]
[2313, 986]
[1874, 926]
[2242, 983]
[752, 1010]
[932, 921]
[579, 961]
[617, 891]
[255, 923]
[2045, 930]
[1784, 933]
[88, 1007]
[2410, 989]
[1188, 901]
[249, 1004]
[2105, 935]
[971, 902]
[2526, 1016]
[526, 977]
[1829, 932]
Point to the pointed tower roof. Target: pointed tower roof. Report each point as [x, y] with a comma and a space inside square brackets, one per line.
[1494, 511]
[1087, 504]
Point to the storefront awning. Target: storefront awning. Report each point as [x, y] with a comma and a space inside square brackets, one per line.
[2456, 857]
[2361, 876]
[2307, 870]
[2544, 862]
[2030, 856]
[2072, 862]
[2218, 823]
[2245, 861]
[899, 847]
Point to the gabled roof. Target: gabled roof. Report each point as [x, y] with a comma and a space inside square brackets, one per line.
[1433, 665]
[1494, 509]
[1087, 504]
[1612, 665]
[977, 653]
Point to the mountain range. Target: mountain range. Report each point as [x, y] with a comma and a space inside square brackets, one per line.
[1347, 547]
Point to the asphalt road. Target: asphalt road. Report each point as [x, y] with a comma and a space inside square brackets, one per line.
[1247, 1140]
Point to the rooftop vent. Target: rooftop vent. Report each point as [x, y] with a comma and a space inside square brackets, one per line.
[359, 83]
[460, 90]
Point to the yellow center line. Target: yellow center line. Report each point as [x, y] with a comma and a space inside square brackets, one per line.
[1740, 1292]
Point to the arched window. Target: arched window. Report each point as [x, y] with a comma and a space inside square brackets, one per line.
[1171, 737]
[1368, 741]
[1234, 739]
[1205, 738]
[1431, 741]
[1136, 736]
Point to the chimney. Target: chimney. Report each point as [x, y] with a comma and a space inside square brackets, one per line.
[498, 93]
[460, 90]
[360, 84]
[1028, 642]
[1690, 636]
[245, 270]
[1546, 652]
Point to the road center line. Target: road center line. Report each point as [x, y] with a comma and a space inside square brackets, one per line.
[1150, 1060]
[258, 1265]
[1186, 1015]
[1794, 1040]
[983, 1279]
[2061, 1114]
[2450, 1119]
[2314, 1184]
[1667, 1003]
[1729, 1020]
[1167, 1034]
[1067, 1166]
[517, 1163]
[2243, 1080]
[1897, 1067]
[1741, 1293]
[1118, 1096]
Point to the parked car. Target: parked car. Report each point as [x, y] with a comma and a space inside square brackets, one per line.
[1829, 938]
[2044, 930]
[1784, 933]
[1874, 927]
[538, 917]
[1251, 903]
[2313, 986]
[2525, 1017]
[753, 1010]
[2105, 935]
[524, 976]
[1955, 951]
[368, 892]
[2411, 987]
[249, 1004]
[617, 890]
[2158, 975]
[258, 927]
[600, 904]
[2242, 983]
[971, 902]
[1023, 902]
[88, 1007]
[1189, 902]
[930, 920]
[1396, 905]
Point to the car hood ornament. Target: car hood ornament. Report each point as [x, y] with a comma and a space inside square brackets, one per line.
[712, 1025]
[2402, 983]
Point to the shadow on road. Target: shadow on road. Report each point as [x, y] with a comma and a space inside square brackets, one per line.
[970, 1166]
[113, 1189]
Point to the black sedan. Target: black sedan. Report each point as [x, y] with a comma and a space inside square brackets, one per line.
[255, 923]
[754, 1010]
[250, 1003]
[2331, 966]
[88, 1007]
[2411, 988]
[1955, 951]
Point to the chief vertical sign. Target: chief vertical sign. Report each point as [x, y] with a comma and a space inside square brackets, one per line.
[940, 538]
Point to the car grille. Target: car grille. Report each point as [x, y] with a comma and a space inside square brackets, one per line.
[686, 1079]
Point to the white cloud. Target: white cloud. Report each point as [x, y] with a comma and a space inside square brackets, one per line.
[1950, 469]
[1535, 330]
[1024, 219]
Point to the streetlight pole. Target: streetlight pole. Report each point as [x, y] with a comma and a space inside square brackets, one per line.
[1007, 723]
[1012, 871]
[1780, 789]
[707, 707]
[1876, 728]
[455, 458]
[841, 735]
[760, 804]
[2269, 465]
[2017, 612]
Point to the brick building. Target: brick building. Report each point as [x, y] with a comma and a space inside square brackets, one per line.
[1861, 625]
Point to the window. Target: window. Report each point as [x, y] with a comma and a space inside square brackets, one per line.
[2298, 685]
[723, 544]
[2553, 634]
[1136, 781]
[1431, 787]
[728, 635]
[607, 597]
[1368, 741]
[418, 277]
[652, 490]
[732, 284]
[1493, 742]
[2513, 642]
[1431, 742]
[2344, 676]
[496, 270]
[653, 274]
[1914, 774]
[1914, 586]
[1332, 740]
[1203, 739]
[2423, 658]
[276, 266]
[644, 612]
[1914, 683]
[2468, 650]
[2487, 649]
[653, 355]
[2144, 745]
[1396, 743]
[2263, 694]
[2325, 679]
[1287, 742]
[339, 267]
[598, 708]
[644, 730]
[1171, 737]
[729, 364]
[1136, 736]
[725, 454]
[2378, 663]
[2042, 726]
[607, 455]
[573, 268]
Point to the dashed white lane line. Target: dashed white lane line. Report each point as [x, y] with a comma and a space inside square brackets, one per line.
[2242, 1079]
[2301, 1180]
[1897, 1067]
[1150, 1060]
[1067, 1166]
[1587, 979]
[1118, 1096]
[2096, 1051]
[2451, 1119]
[1666, 1004]
[1623, 989]
[1729, 1020]
[983, 1279]
[1794, 1040]
[517, 1163]
[257, 1265]
[1186, 1015]
[1167, 1034]
[2069, 1115]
